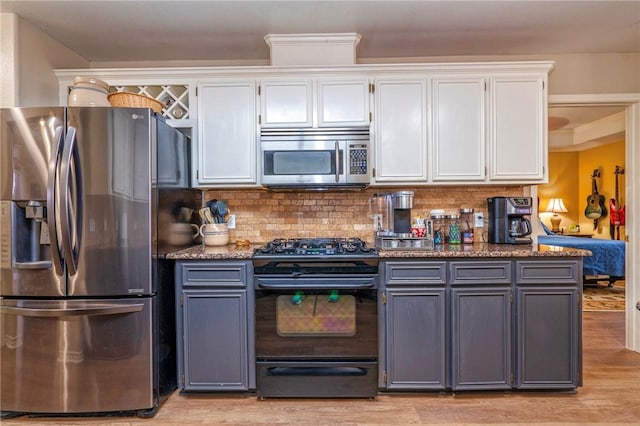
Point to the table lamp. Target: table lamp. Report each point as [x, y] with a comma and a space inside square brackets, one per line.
[556, 205]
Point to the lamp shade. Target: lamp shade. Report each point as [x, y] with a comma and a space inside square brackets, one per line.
[556, 205]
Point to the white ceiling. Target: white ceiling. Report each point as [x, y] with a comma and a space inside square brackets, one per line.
[170, 30]
[117, 30]
[578, 128]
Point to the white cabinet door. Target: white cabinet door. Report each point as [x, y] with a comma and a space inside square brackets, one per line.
[458, 129]
[343, 103]
[400, 140]
[227, 123]
[518, 141]
[286, 103]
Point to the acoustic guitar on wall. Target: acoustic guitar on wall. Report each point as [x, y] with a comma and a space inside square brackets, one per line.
[595, 209]
[617, 217]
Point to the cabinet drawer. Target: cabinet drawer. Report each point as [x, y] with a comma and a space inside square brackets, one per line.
[546, 272]
[463, 273]
[415, 273]
[226, 274]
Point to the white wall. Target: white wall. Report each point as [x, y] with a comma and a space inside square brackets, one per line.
[31, 58]
[573, 73]
[8, 65]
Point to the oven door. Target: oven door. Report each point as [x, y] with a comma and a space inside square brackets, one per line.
[316, 337]
[316, 318]
[310, 162]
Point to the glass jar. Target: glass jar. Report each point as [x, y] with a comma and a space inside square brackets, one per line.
[89, 92]
[439, 231]
[454, 229]
[466, 222]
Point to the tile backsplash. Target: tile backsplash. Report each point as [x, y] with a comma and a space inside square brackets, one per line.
[262, 215]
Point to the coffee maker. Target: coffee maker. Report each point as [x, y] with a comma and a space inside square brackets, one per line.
[391, 212]
[508, 223]
[401, 205]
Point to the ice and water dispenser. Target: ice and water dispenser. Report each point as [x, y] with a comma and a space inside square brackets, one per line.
[29, 234]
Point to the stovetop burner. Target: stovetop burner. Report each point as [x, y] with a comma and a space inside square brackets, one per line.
[299, 257]
[316, 247]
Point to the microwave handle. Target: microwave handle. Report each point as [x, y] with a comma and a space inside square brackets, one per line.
[337, 162]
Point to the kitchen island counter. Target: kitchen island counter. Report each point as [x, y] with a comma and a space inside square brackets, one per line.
[478, 250]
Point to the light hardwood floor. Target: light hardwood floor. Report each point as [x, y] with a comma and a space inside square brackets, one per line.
[611, 394]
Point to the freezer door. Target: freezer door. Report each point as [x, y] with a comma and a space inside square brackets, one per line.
[106, 202]
[76, 356]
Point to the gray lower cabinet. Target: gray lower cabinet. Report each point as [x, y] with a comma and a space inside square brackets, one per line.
[549, 325]
[480, 325]
[414, 310]
[415, 346]
[215, 327]
[480, 338]
[447, 325]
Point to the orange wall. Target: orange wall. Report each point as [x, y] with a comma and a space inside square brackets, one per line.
[570, 178]
[563, 183]
[605, 159]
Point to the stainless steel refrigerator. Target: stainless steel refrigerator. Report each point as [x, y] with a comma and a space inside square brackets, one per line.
[86, 301]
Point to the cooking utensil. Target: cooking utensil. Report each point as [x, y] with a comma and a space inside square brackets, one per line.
[185, 214]
[205, 215]
[222, 211]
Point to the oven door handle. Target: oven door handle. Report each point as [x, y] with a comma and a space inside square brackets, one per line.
[316, 371]
[315, 286]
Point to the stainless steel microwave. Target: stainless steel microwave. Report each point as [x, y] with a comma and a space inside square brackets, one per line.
[315, 158]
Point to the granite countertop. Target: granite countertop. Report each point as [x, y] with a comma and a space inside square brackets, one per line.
[477, 250]
[202, 252]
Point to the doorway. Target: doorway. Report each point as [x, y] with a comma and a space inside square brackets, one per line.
[630, 104]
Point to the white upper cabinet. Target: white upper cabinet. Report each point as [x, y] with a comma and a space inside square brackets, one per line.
[432, 123]
[286, 103]
[518, 138]
[400, 145]
[343, 103]
[458, 129]
[227, 145]
[314, 102]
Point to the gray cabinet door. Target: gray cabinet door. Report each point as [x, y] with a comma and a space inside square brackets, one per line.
[548, 336]
[481, 338]
[415, 338]
[215, 340]
[215, 326]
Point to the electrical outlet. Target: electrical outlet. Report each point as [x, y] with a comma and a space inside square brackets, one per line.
[478, 220]
[231, 223]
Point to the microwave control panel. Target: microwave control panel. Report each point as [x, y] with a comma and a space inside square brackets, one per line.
[358, 157]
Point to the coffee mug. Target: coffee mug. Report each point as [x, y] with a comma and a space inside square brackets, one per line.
[214, 234]
[182, 233]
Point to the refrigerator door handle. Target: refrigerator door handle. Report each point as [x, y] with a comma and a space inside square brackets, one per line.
[52, 200]
[71, 206]
[38, 264]
[72, 312]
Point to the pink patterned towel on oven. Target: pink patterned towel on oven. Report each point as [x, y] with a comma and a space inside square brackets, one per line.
[316, 316]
